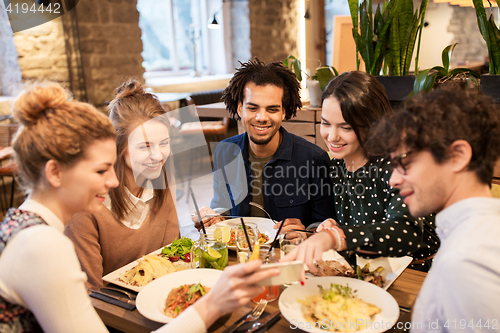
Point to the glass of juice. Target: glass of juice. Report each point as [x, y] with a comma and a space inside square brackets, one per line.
[271, 293]
[210, 253]
[242, 247]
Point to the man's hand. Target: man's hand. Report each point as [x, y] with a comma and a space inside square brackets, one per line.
[206, 221]
[289, 224]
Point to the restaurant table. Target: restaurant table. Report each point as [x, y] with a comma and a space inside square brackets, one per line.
[405, 290]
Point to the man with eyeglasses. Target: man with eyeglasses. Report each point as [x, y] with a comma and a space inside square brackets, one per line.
[443, 149]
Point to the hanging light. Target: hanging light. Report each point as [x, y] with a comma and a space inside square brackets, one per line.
[214, 24]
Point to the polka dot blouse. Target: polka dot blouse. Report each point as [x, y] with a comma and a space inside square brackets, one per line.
[373, 216]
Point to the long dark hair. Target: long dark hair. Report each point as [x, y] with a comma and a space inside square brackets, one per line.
[362, 99]
[131, 107]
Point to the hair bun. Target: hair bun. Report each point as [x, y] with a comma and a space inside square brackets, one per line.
[129, 88]
[36, 100]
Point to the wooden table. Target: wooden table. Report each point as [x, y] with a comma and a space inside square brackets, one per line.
[405, 290]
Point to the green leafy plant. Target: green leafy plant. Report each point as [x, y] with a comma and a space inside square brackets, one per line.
[324, 74]
[372, 33]
[405, 26]
[429, 78]
[491, 35]
[387, 39]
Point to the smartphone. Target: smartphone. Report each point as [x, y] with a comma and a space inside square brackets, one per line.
[289, 273]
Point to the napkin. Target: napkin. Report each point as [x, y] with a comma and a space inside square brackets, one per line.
[246, 326]
[113, 301]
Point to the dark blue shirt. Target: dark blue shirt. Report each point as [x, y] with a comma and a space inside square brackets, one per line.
[295, 182]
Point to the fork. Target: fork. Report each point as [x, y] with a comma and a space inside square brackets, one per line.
[129, 295]
[262, 208]
[254, 315]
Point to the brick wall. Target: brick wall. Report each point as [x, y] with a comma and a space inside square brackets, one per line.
[111, 45]
[42, 54]
[10, 73]
[463, 25]
[274, 29]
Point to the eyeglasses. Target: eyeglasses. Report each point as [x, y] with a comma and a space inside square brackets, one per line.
[397, 162]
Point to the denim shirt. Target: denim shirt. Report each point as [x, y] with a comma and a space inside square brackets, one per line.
[295, 182]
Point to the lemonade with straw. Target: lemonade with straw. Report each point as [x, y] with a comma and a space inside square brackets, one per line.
[212, 250]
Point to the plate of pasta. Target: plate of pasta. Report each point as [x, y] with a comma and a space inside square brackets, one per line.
[338, 304]
[158, 300]
[140, 272]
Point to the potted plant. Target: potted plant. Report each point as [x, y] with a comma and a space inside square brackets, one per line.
[371, 33]
[315, 83]
[429, 78]
[386, 42]
[490, 84]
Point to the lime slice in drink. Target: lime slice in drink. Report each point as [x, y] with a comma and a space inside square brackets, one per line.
[211, 254]
[222, 234]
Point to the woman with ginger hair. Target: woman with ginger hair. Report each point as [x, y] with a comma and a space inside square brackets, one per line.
[66, 151]
[139, 216]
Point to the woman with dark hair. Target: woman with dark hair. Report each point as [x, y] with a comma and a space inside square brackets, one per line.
[139, 216]
[373, 220]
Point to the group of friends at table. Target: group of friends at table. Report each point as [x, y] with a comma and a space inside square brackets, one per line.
[101, 194]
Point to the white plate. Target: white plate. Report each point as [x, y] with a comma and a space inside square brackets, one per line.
[370, 293]
[265, 226]
[151, 300]
[393, 267]
[114, 277]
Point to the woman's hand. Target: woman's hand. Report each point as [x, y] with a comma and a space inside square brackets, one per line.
[289, 224]
[235, 288]
[327, 224]
[311, 251]
[206, 221]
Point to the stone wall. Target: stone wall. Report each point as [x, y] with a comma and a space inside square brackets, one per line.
[463, 25]
[10, 72]
[274, 27]
[42, 53]
[111, 45]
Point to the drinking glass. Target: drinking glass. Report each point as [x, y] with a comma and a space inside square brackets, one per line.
[210, 254]
[289, 241]
[242, 247]
[272, 292]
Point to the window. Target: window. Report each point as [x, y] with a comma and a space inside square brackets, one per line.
[175, 36]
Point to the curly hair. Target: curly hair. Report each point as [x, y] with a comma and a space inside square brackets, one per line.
[258, 72]
[53, 127]
[130, 108]
[363, 101]
[433, 121]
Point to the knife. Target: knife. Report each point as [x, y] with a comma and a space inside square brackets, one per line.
[117, 298]
[263, 321]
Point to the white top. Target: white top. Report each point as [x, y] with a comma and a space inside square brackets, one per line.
[140, 210]
[39, 270]
[462, 288]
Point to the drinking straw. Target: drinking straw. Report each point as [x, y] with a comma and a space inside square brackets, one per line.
[275, 237]
[197, 211]
[246, 235]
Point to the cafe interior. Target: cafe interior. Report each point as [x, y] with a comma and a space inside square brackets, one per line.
[185, 52]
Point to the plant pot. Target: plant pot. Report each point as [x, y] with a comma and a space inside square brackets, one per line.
[490, 85]
[314, 93]
[397, 87]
